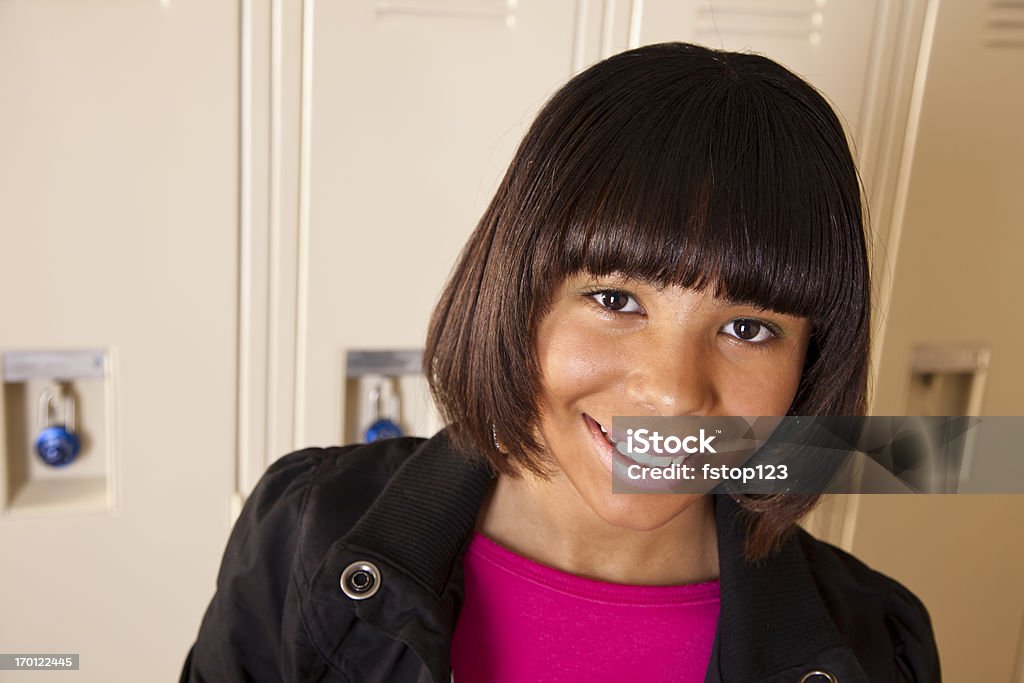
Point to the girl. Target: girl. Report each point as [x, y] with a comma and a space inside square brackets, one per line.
[679, 233]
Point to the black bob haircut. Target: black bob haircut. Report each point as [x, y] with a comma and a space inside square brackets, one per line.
[677, 165]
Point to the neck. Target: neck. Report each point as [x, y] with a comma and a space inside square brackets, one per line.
[542, 520]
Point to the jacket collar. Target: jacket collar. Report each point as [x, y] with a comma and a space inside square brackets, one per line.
[425, 515]
[772, 621]
[773, 624]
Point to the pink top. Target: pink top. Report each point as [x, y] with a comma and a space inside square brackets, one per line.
[524, 621]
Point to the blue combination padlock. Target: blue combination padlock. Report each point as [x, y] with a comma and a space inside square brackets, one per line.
[382, 427]
[57, 444]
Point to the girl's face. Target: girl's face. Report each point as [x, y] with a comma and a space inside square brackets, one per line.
[615, 346]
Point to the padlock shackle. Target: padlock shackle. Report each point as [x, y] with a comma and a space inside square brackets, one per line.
[43, 418]
[43, 414]
[375, 395]
[69, 412]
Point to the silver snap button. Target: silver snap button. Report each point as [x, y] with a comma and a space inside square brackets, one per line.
[818, 677]
[360, 580]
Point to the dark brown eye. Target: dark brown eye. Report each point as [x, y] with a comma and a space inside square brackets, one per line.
[747, 329]
[614, 301]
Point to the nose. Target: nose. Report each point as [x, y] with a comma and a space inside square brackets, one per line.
[672, 378]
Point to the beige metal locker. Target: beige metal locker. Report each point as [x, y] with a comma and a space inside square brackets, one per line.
[118, 232]
[956, 283]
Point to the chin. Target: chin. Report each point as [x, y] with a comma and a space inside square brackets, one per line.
[643, 512]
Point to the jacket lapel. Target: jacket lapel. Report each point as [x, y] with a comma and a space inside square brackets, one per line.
[772, 624]
[424, 517]
[417, 529]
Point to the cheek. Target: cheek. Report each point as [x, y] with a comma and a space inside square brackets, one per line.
[575, 364]
[768, 390]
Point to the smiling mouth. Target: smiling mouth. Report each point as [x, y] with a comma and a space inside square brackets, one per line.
[644, 459]
[617, 449]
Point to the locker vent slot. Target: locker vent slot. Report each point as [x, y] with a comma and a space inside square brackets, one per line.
[796, 19]
[1004, 24]
[500, 10]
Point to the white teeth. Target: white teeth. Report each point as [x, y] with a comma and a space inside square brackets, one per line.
[642, 458]
[654, 460]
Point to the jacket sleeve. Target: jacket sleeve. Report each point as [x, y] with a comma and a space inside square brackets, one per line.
[240, 634]
[910, 627]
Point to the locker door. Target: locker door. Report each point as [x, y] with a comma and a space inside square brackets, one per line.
[416, 108]
[118, 231]
[956, 284]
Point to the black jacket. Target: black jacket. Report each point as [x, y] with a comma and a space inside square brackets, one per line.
[409, 507]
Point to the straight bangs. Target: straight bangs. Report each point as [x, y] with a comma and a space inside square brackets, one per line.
[718, 187]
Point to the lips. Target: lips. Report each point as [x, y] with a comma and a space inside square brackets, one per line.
[645, 459]
[619, 465]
